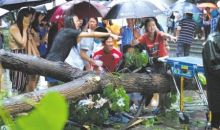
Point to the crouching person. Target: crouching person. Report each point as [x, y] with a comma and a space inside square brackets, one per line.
[108, 57]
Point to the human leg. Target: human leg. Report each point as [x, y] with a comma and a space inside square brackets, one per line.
[32, 83]
[215, 121]
[186, 49]
[179, 50]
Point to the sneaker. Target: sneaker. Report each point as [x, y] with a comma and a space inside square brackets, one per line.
[203, 38]
[196, 38]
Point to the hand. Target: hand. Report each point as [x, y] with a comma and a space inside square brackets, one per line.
[115, 37]
[174, 39]
[92, 62]
[168, 47]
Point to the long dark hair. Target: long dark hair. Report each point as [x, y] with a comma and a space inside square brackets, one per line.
[51, 35]
[35, 24]
[147, 21]
[68, 22]
[24, 12]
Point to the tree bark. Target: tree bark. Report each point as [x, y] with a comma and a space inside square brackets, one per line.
[36, 65]
[70, 90]
[89, 84]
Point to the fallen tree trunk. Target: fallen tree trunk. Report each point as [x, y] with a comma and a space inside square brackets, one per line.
[89, 84]
[73, 89]
[83, 84]
[36, 65]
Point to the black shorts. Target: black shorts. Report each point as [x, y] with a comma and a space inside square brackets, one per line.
[215, 119]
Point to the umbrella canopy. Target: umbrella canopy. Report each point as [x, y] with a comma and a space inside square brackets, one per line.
[184, 7]
[133, 9]
[49, 6]
[205, 5]
[81, 8]
[17, 4]
[57, 15]
[87, 8]
[3, 12]
[158, 3]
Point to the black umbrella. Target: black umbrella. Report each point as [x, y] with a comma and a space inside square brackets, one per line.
[17, 4]
[133, 9]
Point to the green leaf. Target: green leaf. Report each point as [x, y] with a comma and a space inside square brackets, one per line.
[136, 59]
[188, 99]
[50, 114]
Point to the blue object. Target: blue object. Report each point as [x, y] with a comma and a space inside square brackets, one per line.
[185, 66]
[214, 13]
[42, 49]
[185, 7]
[51, 80]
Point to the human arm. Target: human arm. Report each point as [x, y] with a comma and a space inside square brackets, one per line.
[85, 57]
[32, 34]
[168, 36]
[178, 31]
[20, 39]
[97, 34]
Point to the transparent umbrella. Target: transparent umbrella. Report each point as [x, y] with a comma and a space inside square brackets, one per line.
[183, 7]
[3, 12]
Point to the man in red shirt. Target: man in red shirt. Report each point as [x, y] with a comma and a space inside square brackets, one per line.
[109, 55]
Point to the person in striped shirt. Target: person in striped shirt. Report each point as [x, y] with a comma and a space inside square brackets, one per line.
[185, 34]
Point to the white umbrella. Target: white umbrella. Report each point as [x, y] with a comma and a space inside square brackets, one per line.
[3, 12]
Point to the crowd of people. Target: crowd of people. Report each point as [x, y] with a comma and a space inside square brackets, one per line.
[91, 46]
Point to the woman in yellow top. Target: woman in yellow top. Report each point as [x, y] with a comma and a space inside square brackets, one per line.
[17, 43]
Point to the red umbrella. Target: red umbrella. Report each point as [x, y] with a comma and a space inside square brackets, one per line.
[205, 5]
[57, 15]
[59, 11]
